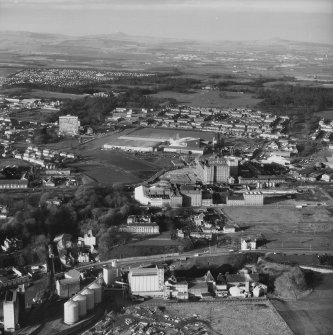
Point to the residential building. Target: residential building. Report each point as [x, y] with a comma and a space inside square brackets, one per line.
[69, 125]
[88, 240]
[248, 244]
[13, 183]
[141, 225]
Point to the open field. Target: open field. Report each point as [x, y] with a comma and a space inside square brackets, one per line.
[6, 71]
[311, 315]
[116, 166]
[166, 134]
[328, 114]
[11, 162]
[205, 98]
[34, 93]
[309, 228]
[235, 318]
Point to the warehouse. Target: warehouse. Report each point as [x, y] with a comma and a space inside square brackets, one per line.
[132, 145]
[146, 281]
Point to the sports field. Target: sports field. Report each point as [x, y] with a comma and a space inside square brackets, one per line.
[166, 134]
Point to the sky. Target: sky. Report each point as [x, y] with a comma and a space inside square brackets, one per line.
[240, 20]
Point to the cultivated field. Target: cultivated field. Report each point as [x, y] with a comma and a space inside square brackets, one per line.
[311, 315]
[210, 98]
[235, 318]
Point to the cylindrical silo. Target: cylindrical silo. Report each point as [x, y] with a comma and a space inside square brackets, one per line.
[82, 301]
[90, 298]
[97, 291]
[71, 312]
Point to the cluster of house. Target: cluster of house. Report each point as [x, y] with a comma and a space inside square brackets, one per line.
[233, 122]
[11, 244]
[279, 152]
[151, 282]
[3, 212]
[32, 103]
[72, 253]
[324, 132]
[205, 226]
[12, 130]
[66, 77]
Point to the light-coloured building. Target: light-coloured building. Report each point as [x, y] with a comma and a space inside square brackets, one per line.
[13, 183]
[216, 169]
[248, 244]
[245, 199]
[176, 290]
[146, 281]
[89, 239]
[158, 196]
[69, 125]
[141, 224]
[10, 311]
[192, 196]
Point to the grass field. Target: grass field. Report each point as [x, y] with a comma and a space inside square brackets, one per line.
[116, 166]
[311, 315]
[328, 114]
[210, 98]
[309, 228]
[34, 93]
[236, 318]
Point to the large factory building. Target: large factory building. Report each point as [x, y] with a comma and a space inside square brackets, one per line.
[146, 281]
[158, 196]
[246, 199]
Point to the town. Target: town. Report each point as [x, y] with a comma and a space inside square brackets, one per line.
[204, 181]
[166, 167]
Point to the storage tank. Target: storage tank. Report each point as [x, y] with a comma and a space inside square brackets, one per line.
[110, 274]
[82, 301]
[97, 289]
[71, 312]
[90, 298]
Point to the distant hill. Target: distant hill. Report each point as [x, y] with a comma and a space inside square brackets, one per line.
[120, 51]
